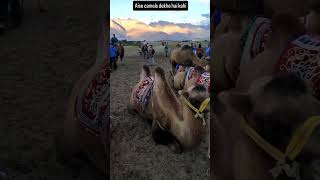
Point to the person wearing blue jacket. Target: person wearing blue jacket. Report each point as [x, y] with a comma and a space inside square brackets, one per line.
[208, 50]
[113, 57]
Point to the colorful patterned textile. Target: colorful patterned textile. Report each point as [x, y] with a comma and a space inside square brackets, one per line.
[143, 92]
[92, 106]
[302, 56]
[258, 34]
[204, 80]
[189, 73]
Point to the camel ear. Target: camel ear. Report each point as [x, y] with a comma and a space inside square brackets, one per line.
[240, 102]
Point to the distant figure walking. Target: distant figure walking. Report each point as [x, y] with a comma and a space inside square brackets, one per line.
[121, 51]
[151, 53]
[166, 49]
[208, 51]
[194, 47]
[113, 56]
[199, 51]
[145, 51]
[114, 40]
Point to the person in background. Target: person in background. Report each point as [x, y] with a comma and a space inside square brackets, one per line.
[194, 49]
[118, 51]
[121, 51]
[113, 56]
[114, 40]
[199, 51]
[151, 53]
[208, 50]
[166, 49]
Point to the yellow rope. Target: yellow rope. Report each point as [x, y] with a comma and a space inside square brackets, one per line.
[296, 144]
[199, 112]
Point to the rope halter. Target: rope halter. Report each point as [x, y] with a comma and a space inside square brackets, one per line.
[299, 139]
[199, 112]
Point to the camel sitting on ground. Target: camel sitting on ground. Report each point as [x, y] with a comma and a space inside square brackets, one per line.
[253, 130]
[86, 127]
[174, 119]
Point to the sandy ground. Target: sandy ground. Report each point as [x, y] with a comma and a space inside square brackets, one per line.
[134, 155]
[39, 63]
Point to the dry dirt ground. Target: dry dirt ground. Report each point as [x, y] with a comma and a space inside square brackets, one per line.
[134, 155]
[39, 63]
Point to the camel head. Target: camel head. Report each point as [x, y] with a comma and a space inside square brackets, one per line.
[186, 56]
[196, 95]
[275, 107]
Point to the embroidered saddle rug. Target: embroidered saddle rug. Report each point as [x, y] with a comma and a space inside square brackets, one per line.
[302, 56]
[255, 38]
[92, 105]
[190, 72]
[204, 78]
[142, 94]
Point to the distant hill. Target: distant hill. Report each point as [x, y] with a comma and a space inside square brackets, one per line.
[134, 30]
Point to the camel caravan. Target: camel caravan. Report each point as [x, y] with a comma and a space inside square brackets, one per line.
[266, 81]
[177, 106]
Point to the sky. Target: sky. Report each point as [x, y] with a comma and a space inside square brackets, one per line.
[197, 13]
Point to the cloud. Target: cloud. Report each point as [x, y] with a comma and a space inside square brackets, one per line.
[204, 2]
[132, 29]
[206, 15]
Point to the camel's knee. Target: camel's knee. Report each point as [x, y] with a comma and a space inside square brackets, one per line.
[164, 137]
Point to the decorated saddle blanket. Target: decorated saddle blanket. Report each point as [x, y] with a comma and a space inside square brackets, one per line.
[302, 56]
[204, 80]
[92, 104]
[190, 72]
[142, 94]
[253, 41]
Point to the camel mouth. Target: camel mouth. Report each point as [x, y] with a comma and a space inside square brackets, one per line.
[195, 97]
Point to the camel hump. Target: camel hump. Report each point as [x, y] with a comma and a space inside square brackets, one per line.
[287, 22]
[146, 69]
[186, 47]
[160, 72]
